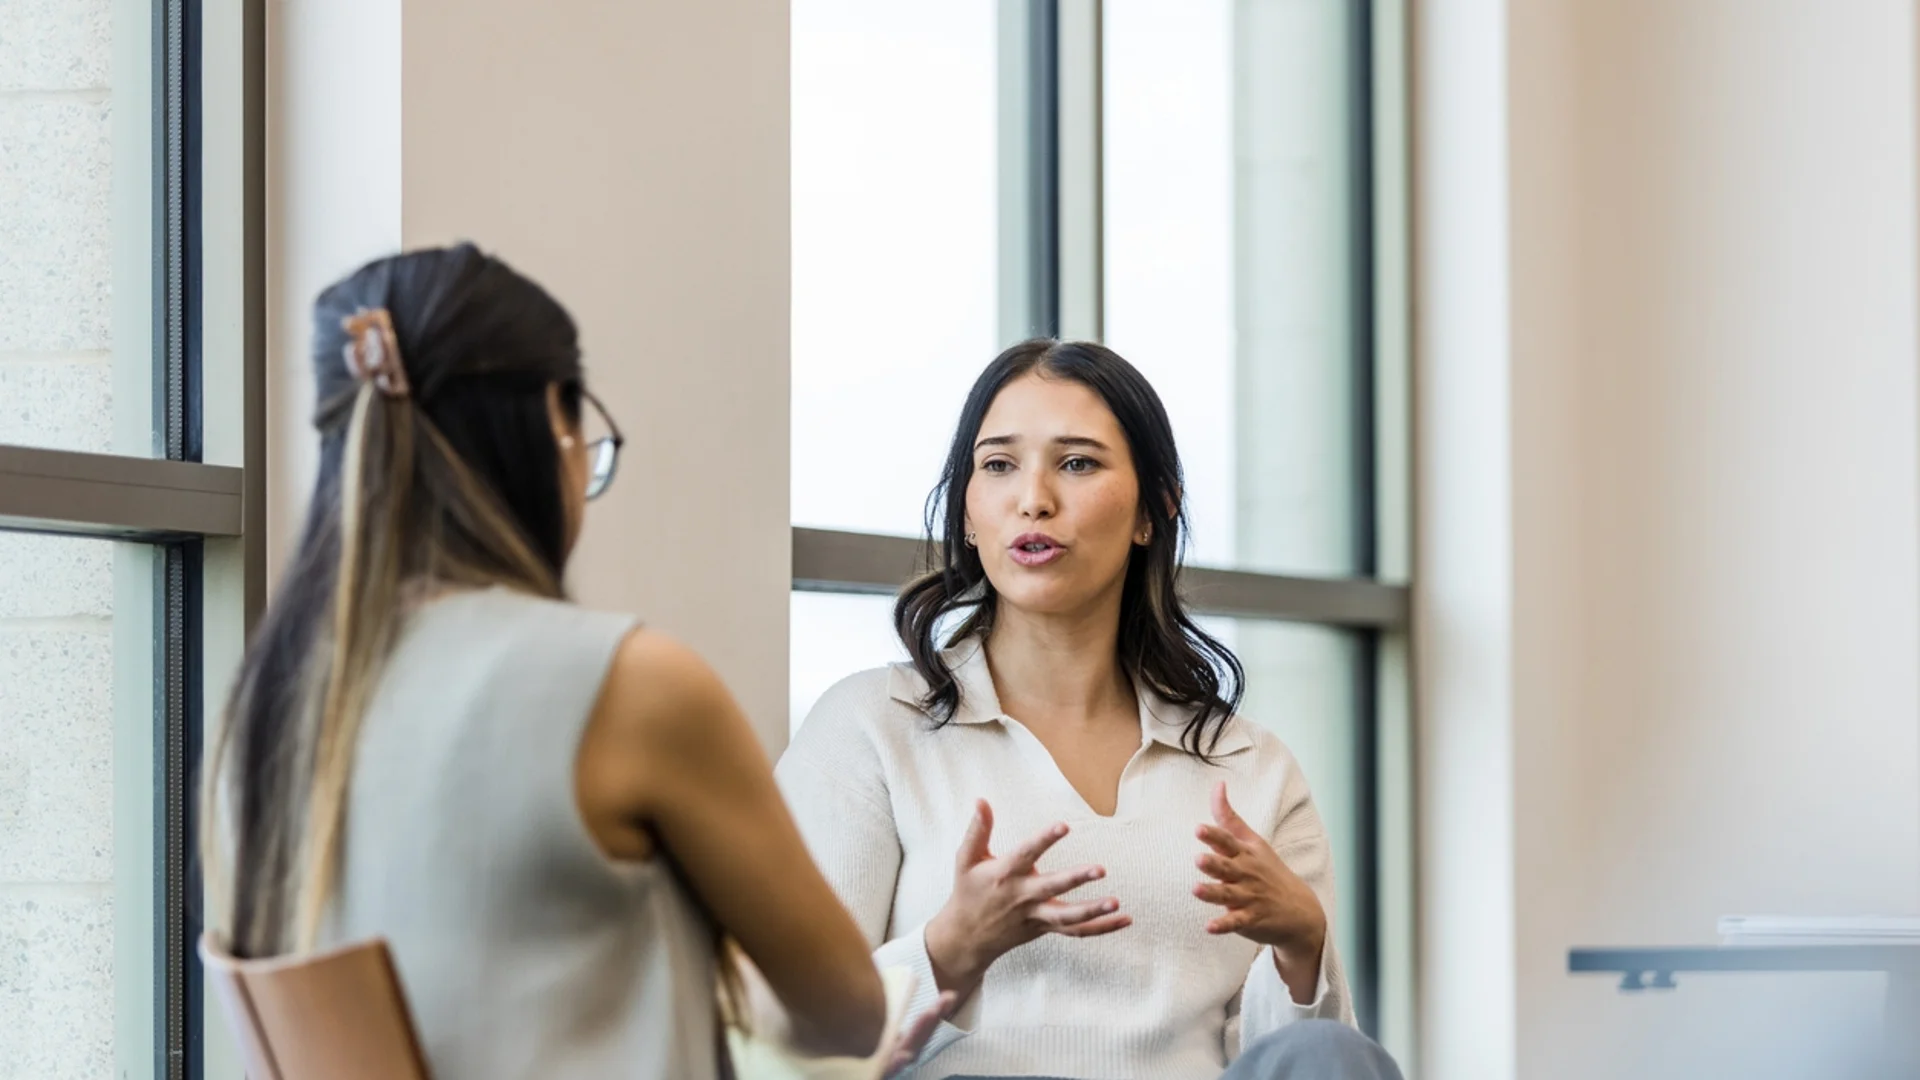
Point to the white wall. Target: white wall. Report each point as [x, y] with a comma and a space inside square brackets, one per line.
[75, 637]
[1462, 493]
[607, 152]
[1669, 608]
[333, 202]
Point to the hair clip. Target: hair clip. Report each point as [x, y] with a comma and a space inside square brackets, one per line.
[372, 351]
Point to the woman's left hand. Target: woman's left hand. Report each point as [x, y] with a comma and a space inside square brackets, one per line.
[1265, 901]
[913, 1038]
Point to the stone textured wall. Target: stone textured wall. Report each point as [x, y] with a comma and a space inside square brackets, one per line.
[56, 594]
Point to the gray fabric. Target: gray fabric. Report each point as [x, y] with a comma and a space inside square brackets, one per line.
[523, 950]
[1303, 1050]
[1314, 1050]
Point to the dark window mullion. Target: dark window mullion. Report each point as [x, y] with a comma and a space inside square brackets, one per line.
[1365, 523]
[1043, 160]
[178, 429]
[171, 663]
[192, 411]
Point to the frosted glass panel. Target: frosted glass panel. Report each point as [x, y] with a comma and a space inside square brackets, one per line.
[895, 263]
[1229, 196]
[835, 635]
[58, 886]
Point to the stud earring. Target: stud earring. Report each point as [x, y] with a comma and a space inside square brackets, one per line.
[970, 540]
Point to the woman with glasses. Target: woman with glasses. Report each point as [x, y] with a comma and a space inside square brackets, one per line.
[553, 816]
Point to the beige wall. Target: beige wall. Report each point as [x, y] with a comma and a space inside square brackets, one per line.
[605, 150]
[1670, 612]
[633, 157]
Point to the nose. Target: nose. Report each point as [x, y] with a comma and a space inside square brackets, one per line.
[1036, 496]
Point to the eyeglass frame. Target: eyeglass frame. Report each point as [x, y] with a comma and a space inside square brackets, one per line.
[613, 436]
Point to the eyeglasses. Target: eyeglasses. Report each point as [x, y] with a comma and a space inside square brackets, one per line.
[603, 452]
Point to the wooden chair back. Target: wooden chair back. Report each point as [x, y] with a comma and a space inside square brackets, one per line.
[340, 1013]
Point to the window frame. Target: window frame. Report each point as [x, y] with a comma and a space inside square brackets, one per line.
[204, 523]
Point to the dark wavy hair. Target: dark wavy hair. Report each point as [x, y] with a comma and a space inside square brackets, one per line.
[1160, 646]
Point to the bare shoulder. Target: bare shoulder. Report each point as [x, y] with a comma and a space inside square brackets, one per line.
[658, 687]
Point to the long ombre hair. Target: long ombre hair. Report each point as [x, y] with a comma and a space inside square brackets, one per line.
[1160, 646]
[453, 483]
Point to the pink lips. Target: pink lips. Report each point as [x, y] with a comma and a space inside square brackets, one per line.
[1035, 549]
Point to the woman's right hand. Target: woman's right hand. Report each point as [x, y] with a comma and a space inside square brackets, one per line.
[1000, 903]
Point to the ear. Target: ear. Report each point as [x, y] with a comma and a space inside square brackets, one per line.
[1143, 528]
[563, 432]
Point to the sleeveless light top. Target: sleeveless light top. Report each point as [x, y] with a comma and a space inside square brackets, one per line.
[524, 951]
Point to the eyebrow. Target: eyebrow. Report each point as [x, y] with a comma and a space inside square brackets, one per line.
[1064, 440]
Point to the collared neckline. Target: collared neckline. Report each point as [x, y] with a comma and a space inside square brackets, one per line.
[1161, 721]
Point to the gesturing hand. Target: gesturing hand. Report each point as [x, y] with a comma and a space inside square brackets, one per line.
[1000, 903]
[913, 1037]
[1265, 900]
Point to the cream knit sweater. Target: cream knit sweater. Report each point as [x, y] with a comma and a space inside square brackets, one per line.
[883, 797]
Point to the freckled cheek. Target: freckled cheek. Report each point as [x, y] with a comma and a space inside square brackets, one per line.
[1107, 515]
[983, 511]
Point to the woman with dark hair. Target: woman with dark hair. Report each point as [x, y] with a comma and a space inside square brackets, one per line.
[1063, 722]
[553, 816]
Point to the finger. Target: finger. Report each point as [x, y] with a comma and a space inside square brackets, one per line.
[1216, 867]
[1105, 924]
[1059, 916]
[1024, 856]
[1232, 896]
[1230, 923]
[973, 846]
[1220, 840]
[1048, 886]
[1224, 813]
[913, 1038]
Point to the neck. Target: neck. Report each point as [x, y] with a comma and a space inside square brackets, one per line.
[1064, 666]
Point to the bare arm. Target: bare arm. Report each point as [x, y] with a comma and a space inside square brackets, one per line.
[668, 754]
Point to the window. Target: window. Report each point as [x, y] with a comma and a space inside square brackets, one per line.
[58, 867]
[60, 83]
[1230, 244]
[1214, 189]
[127, 570]
[835, 635]
[894, 248]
